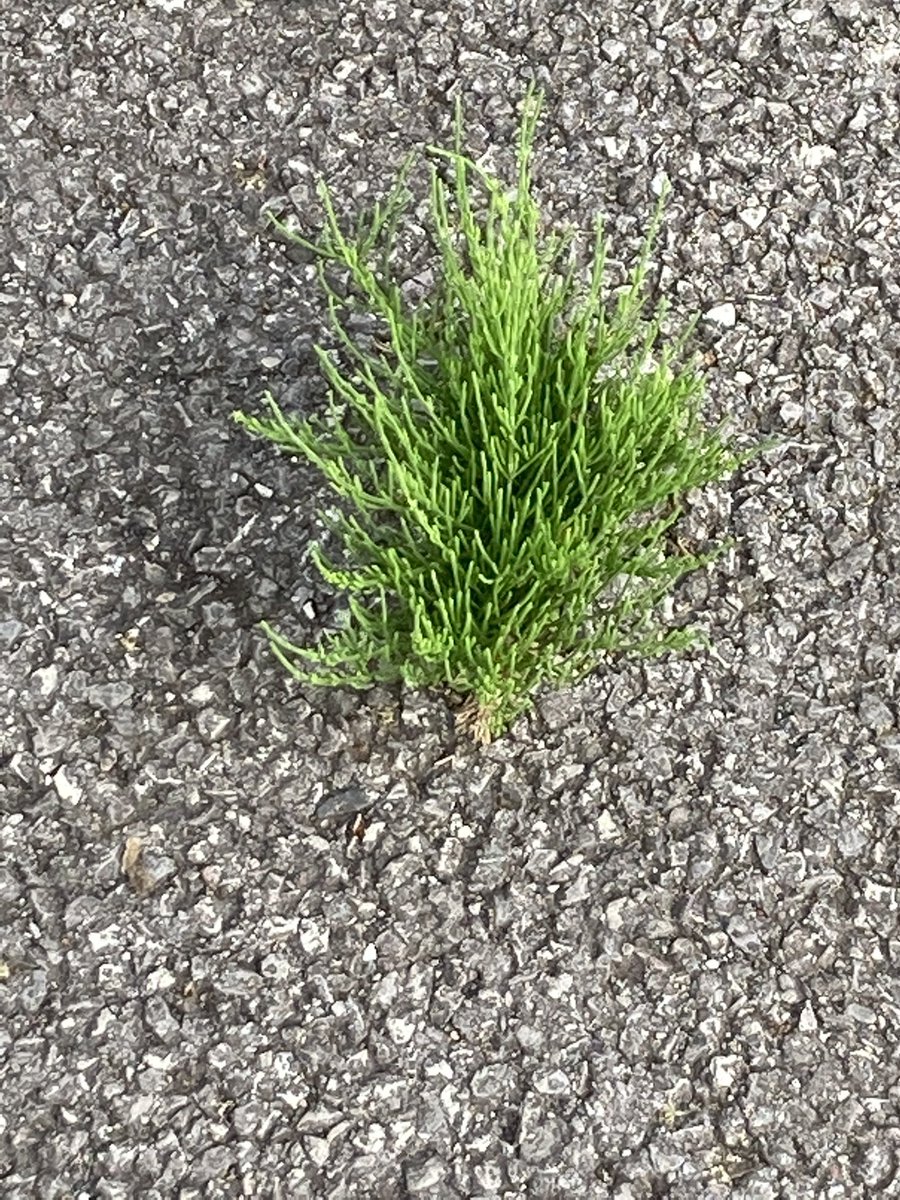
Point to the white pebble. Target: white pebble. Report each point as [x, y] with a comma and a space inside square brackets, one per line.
[814, 156]
[606, 826]
[613, 49]
[615, 911]
[808, 1021]
[754, 216]
[723, 314]
[318, 1149]
[65, 788]
[314, 937]
[723, 1070]
[47, 679]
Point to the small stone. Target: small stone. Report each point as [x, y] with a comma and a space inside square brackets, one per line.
[319, 1120]
[865, 115]
[722, 314]
[314, 936]
[66, 790]
[213, 725]
[101, 940]
[400, 1031]
[850, 565]
[613, 49]
[247, 1118]
[10, 632]
[768, 846]
[214, 1164]
[705, 29]
[680, 816]
[540, 1134]
[491, 1082]
[239, 982]
[160, 980]
[877, 1166]
[425, 1176]
[744, 935]
[144, 868]
[861, 1013]
[808, 1022]
[348, 802]
[317, 1148]
[791, 412]
[606, 826]
[581, 889]
[552, 1083]
[110, 695]
[852, 839]
[47, 679]
[724, 1070]
[35, 991]
[658, 763]
[754, 216]
[615, 913]
[814, 156]
[666, 1157]
[10, 888]
[156, 869]
[875, 714]
[275, 968]
[530, 1038]
[489, 1177]
[96, 435]
[159, 1017]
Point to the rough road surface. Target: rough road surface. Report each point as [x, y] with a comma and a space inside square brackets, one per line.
[645, 946]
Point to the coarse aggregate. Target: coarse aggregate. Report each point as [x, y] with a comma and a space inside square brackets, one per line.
[264, 940]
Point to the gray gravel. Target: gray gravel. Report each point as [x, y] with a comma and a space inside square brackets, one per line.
[260, 940]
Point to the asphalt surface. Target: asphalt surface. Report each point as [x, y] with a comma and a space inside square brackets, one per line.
[262, 940]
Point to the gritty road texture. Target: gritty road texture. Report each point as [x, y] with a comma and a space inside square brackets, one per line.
[260, 940]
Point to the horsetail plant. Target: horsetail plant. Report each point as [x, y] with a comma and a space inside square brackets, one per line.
[510, 456]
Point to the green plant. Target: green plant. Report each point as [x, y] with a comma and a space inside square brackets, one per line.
[509, 456]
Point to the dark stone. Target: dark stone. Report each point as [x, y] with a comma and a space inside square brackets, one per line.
[340, 805]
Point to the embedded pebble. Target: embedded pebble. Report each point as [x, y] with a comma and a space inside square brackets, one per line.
[347, 802]
[722, 314]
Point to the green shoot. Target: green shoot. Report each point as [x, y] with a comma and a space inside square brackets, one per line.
[510, 454]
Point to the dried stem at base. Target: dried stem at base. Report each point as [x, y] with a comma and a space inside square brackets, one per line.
[477, 719]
